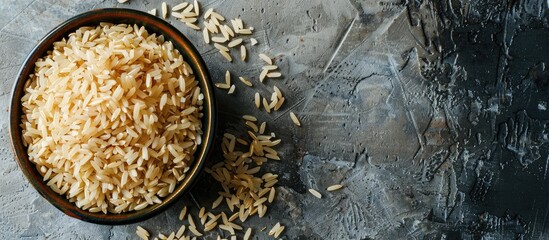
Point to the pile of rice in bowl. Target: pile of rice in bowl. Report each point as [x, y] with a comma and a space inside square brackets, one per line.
[112, 117]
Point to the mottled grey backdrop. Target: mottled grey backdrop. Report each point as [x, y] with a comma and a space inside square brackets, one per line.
[433, 114]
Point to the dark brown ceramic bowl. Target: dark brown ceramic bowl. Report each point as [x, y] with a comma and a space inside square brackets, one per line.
[153, 25]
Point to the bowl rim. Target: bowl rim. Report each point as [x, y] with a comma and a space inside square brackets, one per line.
[92, 18]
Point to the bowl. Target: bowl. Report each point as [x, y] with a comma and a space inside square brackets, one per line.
[154, 25]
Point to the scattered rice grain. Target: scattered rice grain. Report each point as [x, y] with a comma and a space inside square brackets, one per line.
[179, 6]
[274, 74]
[183, 213]
[248, 234]
[196, 7]
[226, 55]
[242, 52]
[274, 229]
[206, 35]
[231, 90]
[250, 118]
[295, 119]
[253, 41]
[235, 42]
[265, 58]
[180, 232]
[257, 100]
[195, 231]
[334, 187]
[245, 81]
[315, 193]
[164, 10]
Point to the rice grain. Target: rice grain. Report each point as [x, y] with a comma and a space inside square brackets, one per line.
[196, 7]
[264, 57]
[180, 232]
[315, 193]
[334, 187]
[164, 10]
[253, 41]
[226, 55]
[248, 234]
[208, 13]
[219, 40]
[242, 52]
[206, 35]
[235, 42]
[245, 81]
[231, 90]
[183, 213]
[179, 6]
[295, 119]
[274, 74]
[257, 100]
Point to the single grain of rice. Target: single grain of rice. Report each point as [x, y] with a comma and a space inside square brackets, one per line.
[315, 193]
[226, 55]
[265, 58]
[253, 41]
[242, 52]
[295, 119]
[257, 100]
[248, 234]
[179, 6]
[164, 10]
[334, 187]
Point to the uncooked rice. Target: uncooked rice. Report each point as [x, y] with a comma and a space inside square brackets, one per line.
[275, 229]
[235, 42]
[245, 81]
[257, 99]
[334, 187]
[183, 213]
[266, 58]
[295, 119]
[248, 234]
[180, 6]
[164, 10]
[93, 125]
[274, 74]
[180, 232]
[196, 7]
[219, 39]
[227, 77]
[315, 193]
[244, 192]
[226, 55]
[253, 41]
[250, 118]
[242, 52]
[142, 233]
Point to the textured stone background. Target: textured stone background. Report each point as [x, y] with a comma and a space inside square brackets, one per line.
[434, 115]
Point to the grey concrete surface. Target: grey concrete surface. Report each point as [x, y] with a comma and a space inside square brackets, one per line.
[433, 114]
